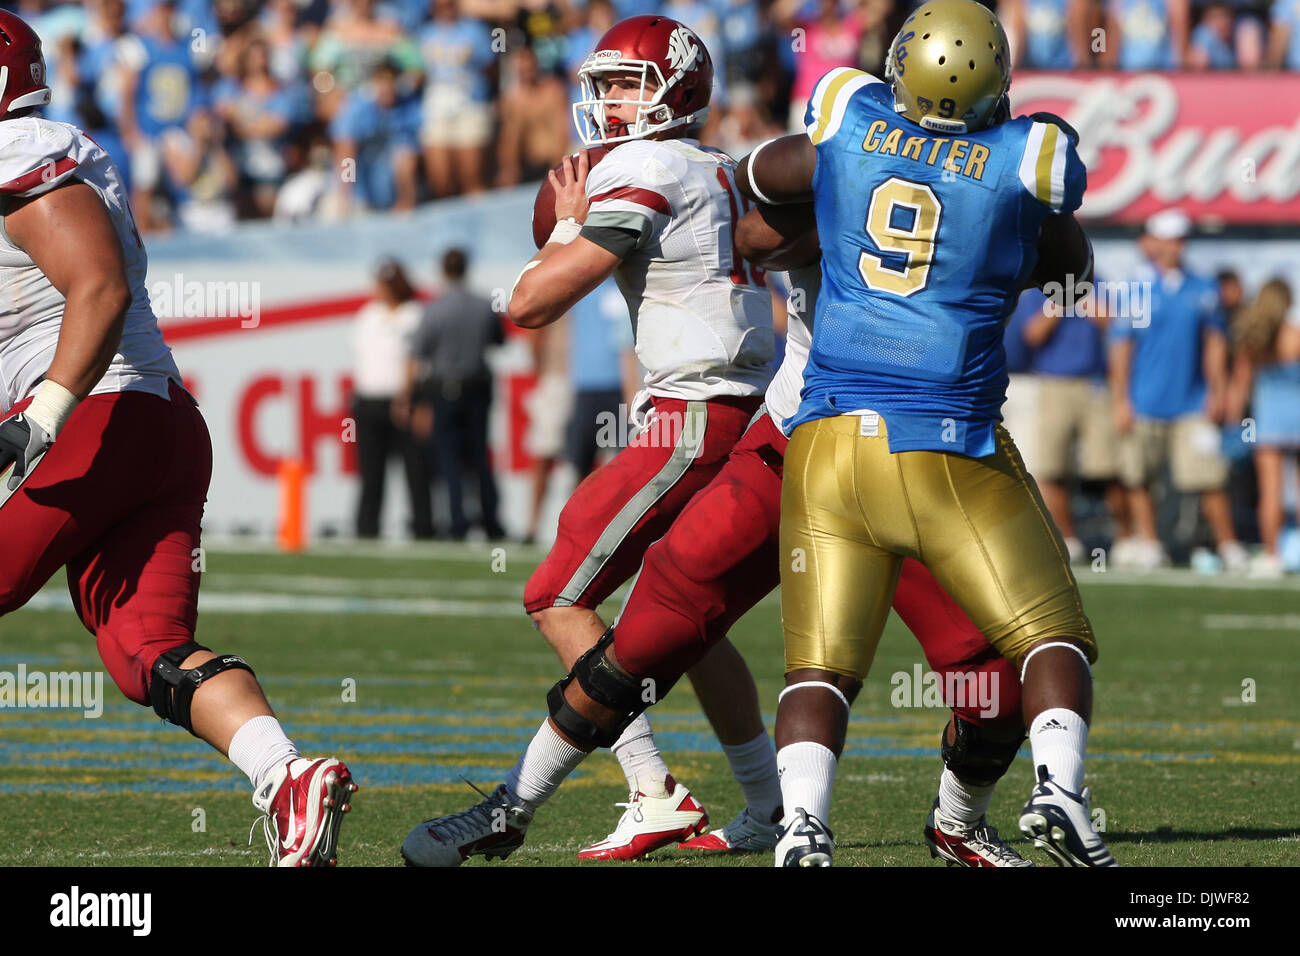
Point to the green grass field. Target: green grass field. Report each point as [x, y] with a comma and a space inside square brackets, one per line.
[417, 665]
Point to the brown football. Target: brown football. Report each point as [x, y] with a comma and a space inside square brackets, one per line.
[1062, 251]
[544, 204]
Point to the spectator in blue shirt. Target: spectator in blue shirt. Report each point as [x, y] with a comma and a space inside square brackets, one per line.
[375, 143]
[1063, 344]
[459, 57]
[1266, 376]
[1212, 44]
[1168, 374]
[260, 111]
[159, 89]
[1284, 35]
[1045, 34]
[1147, 34]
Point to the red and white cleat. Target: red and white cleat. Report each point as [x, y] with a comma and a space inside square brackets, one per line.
[303, 804]
[745, 834]
[650, 823]
[968, 844]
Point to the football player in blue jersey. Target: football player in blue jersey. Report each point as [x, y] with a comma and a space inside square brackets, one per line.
[932, 205]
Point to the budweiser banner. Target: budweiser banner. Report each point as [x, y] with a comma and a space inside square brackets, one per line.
[1221, 146]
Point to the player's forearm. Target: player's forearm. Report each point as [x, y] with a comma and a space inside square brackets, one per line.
[91, 332]
[555, 280]
[779, 171]
[535, 300]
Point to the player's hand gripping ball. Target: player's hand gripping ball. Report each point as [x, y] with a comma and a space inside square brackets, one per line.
[544, 206]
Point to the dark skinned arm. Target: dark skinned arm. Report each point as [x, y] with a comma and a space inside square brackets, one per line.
[781, 169]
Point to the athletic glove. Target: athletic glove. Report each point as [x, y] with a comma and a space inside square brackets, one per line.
[25, 438]
[22, 443]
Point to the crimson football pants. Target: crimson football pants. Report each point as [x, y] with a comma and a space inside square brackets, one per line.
[627, 504]
[118, 499]
[720, 557]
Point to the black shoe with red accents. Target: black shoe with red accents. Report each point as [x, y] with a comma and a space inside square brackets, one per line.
[494, 828]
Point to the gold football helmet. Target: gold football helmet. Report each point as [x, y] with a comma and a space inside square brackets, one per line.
[950, 67]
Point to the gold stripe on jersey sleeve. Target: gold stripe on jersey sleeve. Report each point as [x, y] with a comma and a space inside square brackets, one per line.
[827, 105]
[1043, 168]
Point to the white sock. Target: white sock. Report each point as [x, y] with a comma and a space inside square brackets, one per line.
[753, 765]
[807, 773]
[259, 747]
[540, 771]
[1059, 739]
[638, 754]
[966, 802]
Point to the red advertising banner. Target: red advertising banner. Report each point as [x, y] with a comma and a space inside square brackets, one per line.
[1220, 146]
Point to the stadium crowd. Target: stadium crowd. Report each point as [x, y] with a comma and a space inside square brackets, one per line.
[221, 110]
[218, 110]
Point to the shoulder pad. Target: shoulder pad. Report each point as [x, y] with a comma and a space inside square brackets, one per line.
[830, 98]
[1044, 117]
[35, 155]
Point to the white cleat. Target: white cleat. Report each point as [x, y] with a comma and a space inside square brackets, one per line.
[1060, 822]
[968, 844]
[494, 828]
[807, 841]
[650, 823]
[303, 803]
[745, 834]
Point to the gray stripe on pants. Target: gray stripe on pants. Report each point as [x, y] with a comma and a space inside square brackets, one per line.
[687, 449]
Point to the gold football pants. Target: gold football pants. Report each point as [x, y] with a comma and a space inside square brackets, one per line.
[850, 513]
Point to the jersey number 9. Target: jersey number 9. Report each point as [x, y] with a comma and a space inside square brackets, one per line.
[902, 222]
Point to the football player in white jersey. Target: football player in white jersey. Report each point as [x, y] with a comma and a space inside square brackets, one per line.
[105, 459]
[659, 214]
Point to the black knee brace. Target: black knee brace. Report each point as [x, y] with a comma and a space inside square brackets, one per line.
[171, 688]
[606, 685]
[975, 759]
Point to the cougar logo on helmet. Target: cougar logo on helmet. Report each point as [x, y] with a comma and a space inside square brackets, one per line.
[683, 50]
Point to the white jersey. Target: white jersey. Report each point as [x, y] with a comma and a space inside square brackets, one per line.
[703, 328]
[782, 397]
[37, 155]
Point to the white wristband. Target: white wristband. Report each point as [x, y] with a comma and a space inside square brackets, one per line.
[565, 231]
[749, 172]
[51, 406]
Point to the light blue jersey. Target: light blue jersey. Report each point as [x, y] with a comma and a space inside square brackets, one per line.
[1045, 36]
[926, 241]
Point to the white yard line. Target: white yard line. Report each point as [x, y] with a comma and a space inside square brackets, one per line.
[1251, 622]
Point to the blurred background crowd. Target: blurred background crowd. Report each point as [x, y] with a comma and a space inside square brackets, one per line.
[219, 110]
[1166, 433]
[1166, 411]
